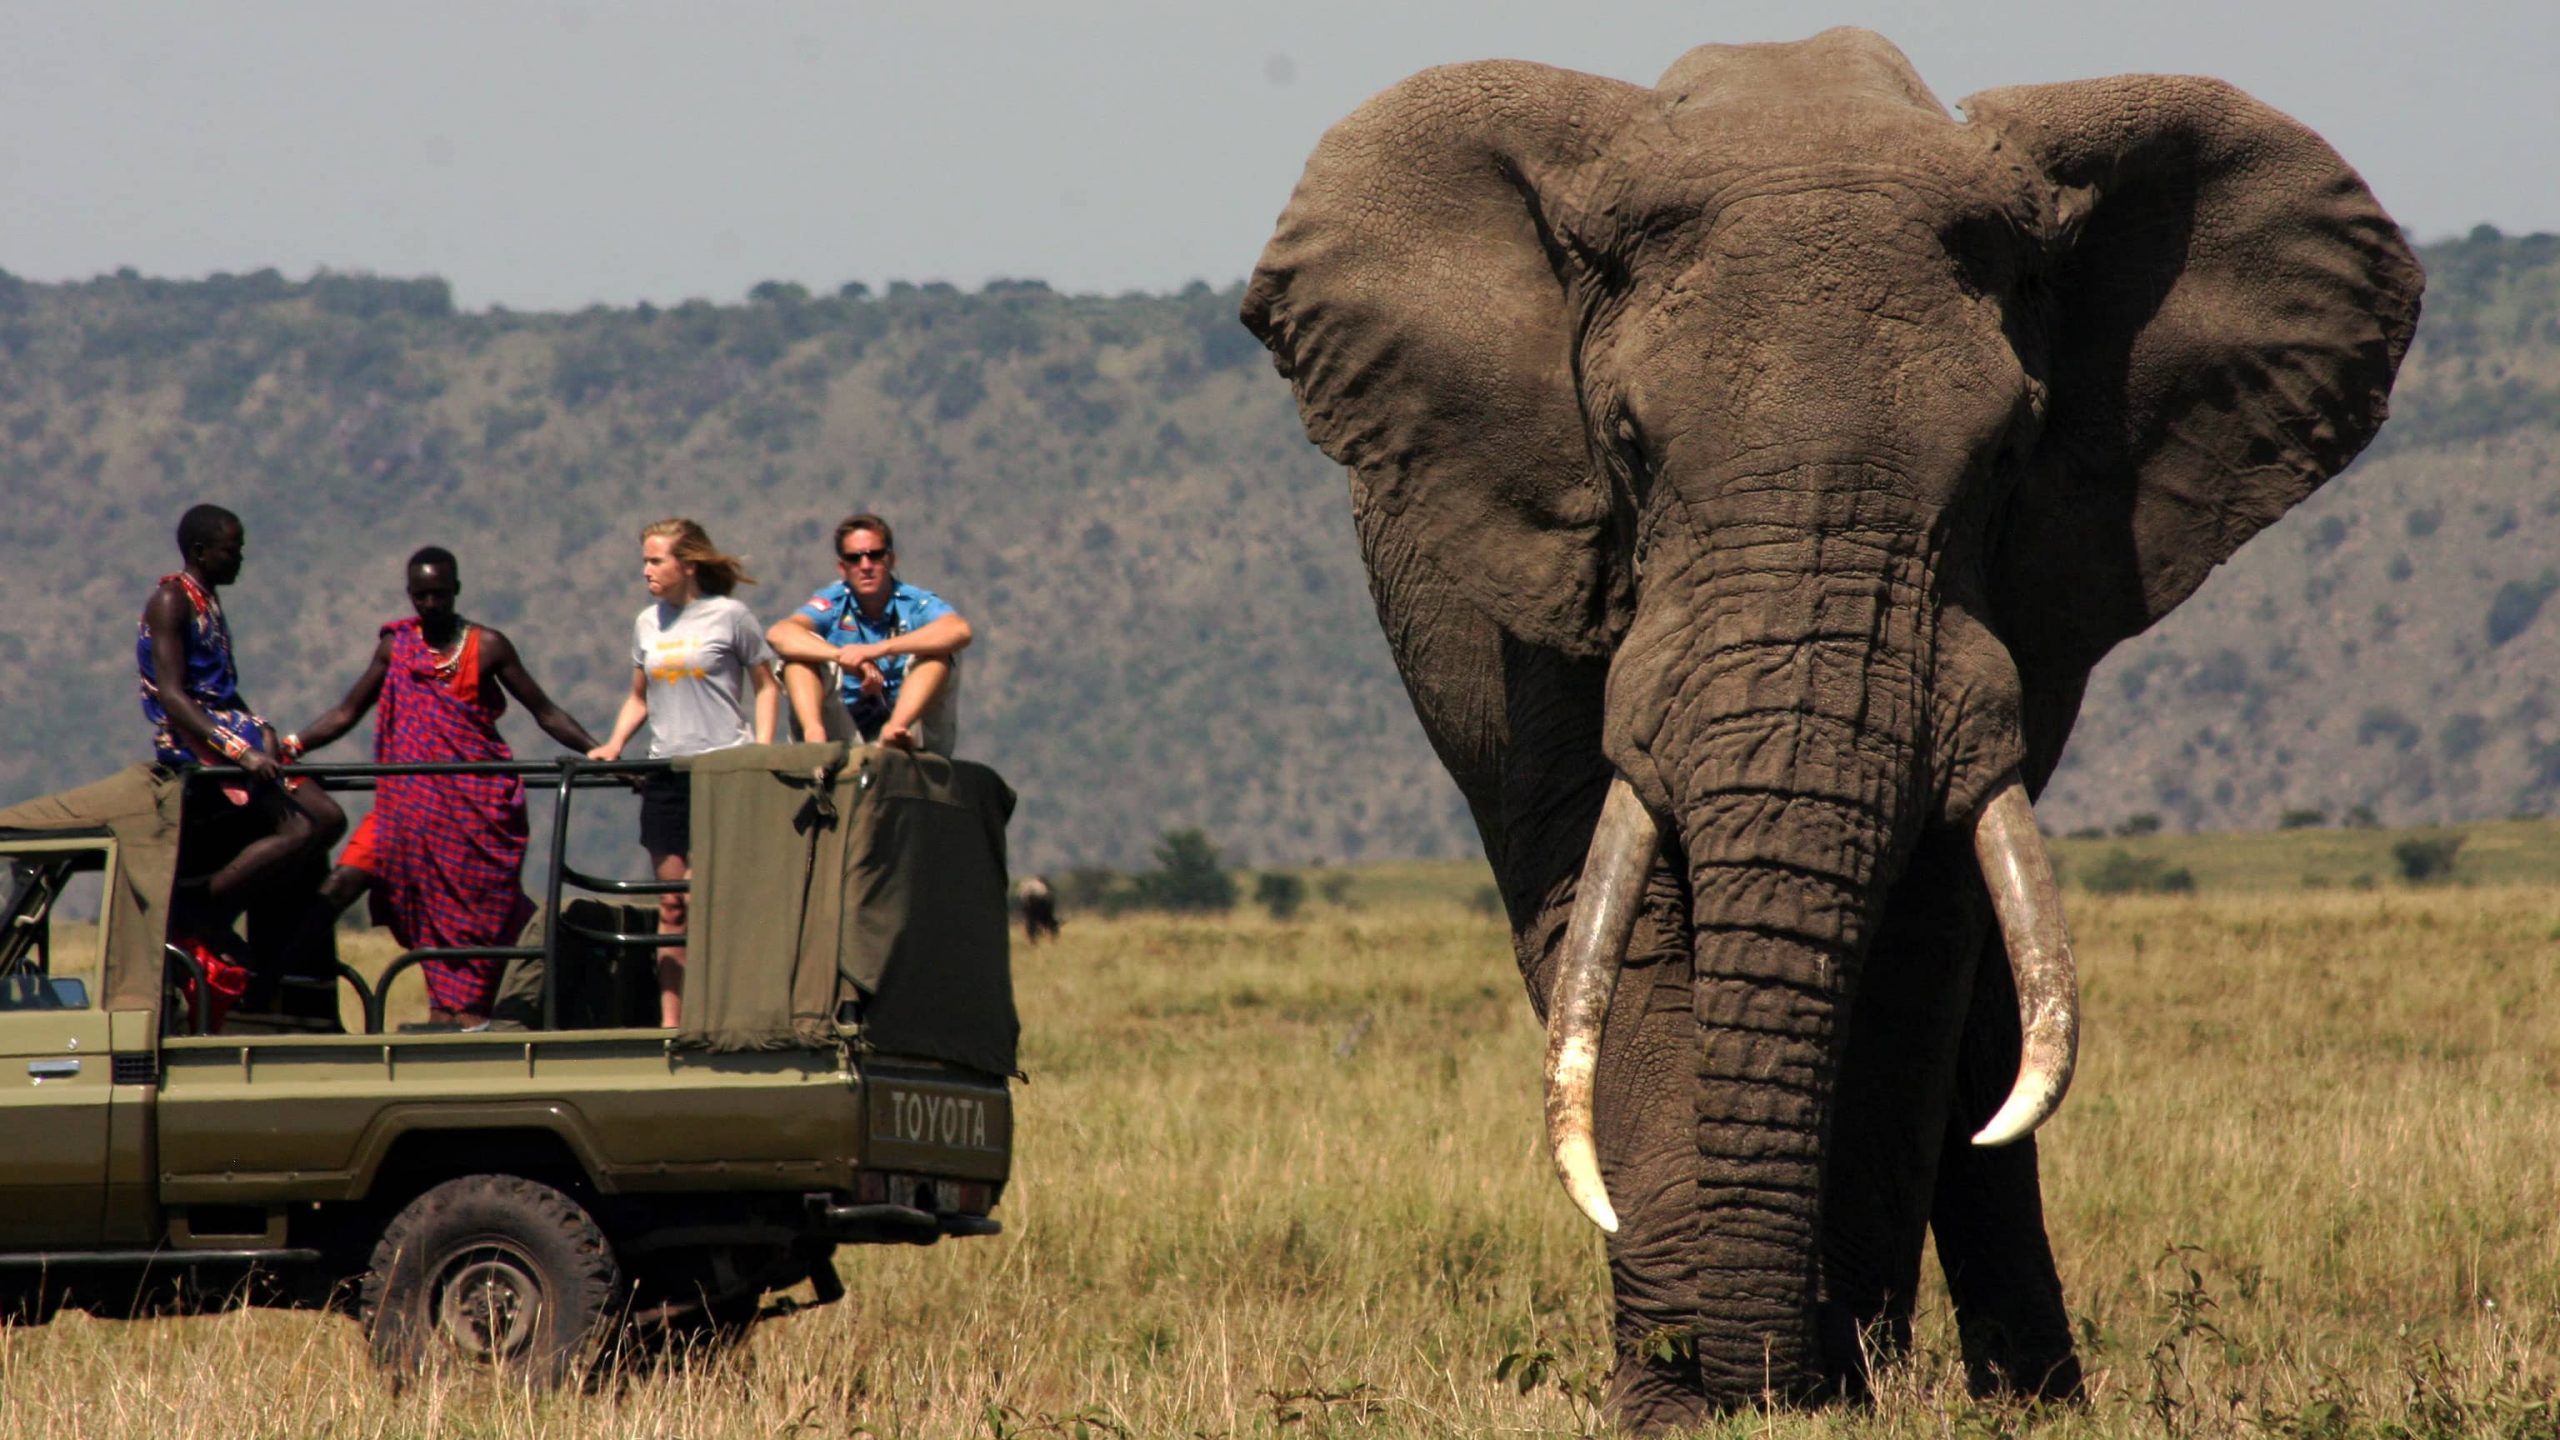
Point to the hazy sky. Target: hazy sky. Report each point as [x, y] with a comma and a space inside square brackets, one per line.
[547, 156]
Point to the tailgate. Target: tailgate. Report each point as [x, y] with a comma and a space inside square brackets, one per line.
[926, 1120]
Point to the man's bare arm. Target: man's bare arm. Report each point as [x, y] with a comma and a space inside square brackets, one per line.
[342, 717]
[937, 639]
[795, 637]
[508, 666]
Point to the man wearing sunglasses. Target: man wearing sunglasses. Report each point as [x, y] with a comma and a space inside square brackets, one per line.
[895, 648]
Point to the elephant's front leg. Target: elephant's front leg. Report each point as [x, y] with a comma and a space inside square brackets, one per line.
[1897, 1075]
[1988, 1218]
[1649, 1155]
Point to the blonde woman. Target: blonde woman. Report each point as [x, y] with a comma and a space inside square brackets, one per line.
[696, 656]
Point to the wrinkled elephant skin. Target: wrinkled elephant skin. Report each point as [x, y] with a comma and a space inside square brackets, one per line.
[1781, 450]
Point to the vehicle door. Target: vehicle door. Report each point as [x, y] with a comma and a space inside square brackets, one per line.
[56, 1069]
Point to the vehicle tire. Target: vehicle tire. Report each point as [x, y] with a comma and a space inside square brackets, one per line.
[491, 1272]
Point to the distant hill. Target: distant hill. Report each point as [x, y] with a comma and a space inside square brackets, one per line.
[1176, 630]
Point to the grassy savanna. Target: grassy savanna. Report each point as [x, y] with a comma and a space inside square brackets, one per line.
[1282, 1179]
[2489, 852]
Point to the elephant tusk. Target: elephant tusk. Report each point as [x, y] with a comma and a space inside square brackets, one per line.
[2028, 901]
[1595, 946]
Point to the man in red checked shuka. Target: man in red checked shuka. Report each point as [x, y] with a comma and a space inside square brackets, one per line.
[246, 848]
[442, 855]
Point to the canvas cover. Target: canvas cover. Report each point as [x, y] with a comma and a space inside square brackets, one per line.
[603, 985]
[824, 874]
[139, 806]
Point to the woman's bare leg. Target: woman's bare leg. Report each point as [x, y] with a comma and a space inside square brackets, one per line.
[671, 918]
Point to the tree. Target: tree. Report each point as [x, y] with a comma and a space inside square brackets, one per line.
[2516, 604]
[1089, 887]
[1187, 877]
[2121, 872]
[2424, 861]
[1280, 893]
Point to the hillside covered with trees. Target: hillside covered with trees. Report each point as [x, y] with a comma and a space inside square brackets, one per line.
[1175, 631]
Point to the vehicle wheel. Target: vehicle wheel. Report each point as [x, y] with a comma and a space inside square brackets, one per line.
[491, 1272]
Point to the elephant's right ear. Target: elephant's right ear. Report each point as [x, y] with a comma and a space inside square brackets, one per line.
[1416, 296]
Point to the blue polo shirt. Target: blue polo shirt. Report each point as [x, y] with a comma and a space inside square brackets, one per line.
[838, 616]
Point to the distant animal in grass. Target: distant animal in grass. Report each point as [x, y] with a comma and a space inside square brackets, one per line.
[1039, 906]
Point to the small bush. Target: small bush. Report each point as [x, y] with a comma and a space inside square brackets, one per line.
[2462, 735]
[2382, 722]
[1089, 887]
[2360, 817]
[2121, 872]
[2423, 862]
[2302, 820]
[2135, 826]
[1188, 877]
[1280, 893]
[2515, 606]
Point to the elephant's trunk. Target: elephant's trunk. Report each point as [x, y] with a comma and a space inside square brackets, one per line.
[2024, 895]
[1785, 890]
[1775, 701]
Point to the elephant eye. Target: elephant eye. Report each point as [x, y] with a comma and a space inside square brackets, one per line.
[1627, 453]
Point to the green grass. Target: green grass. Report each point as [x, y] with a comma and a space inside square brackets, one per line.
[2493, 852]
[1286, 1179]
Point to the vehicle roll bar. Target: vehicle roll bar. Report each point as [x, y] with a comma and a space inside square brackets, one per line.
[562, 776]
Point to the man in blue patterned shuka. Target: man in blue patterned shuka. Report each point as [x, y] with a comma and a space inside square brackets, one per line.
[239, 841]
[896, 647]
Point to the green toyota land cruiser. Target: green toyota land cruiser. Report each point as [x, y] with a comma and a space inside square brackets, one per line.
[524, 1197]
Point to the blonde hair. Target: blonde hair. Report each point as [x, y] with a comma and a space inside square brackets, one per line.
[713, 572]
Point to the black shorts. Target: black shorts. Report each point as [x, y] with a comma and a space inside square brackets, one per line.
[666, 813]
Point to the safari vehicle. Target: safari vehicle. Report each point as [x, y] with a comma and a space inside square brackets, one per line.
[523, 1198]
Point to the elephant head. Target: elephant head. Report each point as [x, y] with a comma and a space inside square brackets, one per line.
[1750, 470]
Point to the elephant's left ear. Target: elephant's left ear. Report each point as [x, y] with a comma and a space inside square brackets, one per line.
[2228, 307]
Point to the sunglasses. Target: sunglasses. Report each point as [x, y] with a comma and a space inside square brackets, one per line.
[857, 557]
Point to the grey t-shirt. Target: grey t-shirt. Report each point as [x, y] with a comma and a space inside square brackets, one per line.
[696, 659]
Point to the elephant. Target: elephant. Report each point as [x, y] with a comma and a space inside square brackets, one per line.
[1749, 471]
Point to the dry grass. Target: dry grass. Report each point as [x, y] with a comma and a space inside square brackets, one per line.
[1285, 1179]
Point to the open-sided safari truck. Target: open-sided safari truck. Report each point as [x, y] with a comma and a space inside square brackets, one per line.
[524, 1197]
